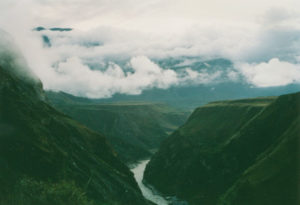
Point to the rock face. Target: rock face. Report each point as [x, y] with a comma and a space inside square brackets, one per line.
[133, 129]
[233, 152]
[47, 158]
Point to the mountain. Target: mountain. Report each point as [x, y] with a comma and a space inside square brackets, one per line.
[47, 158]
[190, 95]
[135, 129]
[233, 152]
[202, 79]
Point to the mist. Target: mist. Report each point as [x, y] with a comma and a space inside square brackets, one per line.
[12, 60]
[115, 49]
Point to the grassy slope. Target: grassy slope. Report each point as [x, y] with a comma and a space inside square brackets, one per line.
[47, 158]
[133, 129]
[203, 131]
[218, 143]
[273, 178]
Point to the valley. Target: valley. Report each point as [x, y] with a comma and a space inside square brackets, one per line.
[134, 129]
[224, 151]
[59, 149]
[48, 158]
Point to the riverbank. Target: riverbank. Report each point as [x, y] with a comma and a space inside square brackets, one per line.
[150, 194]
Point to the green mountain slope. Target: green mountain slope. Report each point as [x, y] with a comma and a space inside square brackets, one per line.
[271, 179]
[232, 152]
[47, 158]
[133, 129]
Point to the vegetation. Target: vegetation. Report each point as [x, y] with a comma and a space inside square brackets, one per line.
[48, 158]
[29, 191]
[135, 129]
[233, 152]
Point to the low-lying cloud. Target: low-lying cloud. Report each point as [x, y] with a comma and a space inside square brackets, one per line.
[12, 60]
[272, 73]
[115, 49]
[74, 77]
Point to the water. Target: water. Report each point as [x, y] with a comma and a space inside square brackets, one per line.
[148, 193]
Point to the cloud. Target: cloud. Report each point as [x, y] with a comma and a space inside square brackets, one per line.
[74, 77]
[114, 46]
[278, 37]
[279, 16]
[12, 60]
[238, 42]
[272, 73]
[147, 74]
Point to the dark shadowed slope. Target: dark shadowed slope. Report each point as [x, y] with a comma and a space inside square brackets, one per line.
[233, 152]
[47, 158]
[133, 129]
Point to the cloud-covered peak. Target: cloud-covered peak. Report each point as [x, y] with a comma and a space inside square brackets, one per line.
[11, 58]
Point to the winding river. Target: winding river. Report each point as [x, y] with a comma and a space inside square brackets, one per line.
[148, 193]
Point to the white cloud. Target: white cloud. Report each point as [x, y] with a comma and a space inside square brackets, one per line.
[74, 77]
[272, 73]
[149, 74]
[135, 31]
[12, 59]
[280, 16]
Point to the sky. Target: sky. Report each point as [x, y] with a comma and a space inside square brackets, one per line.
[114, 43]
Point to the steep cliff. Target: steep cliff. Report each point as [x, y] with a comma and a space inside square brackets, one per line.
[230, 151]
[48, 158]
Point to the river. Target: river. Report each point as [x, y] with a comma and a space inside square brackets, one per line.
[148, 193]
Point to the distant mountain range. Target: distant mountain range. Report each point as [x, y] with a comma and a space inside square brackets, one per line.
[135, 129]
[191, 95]
[188, 94]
